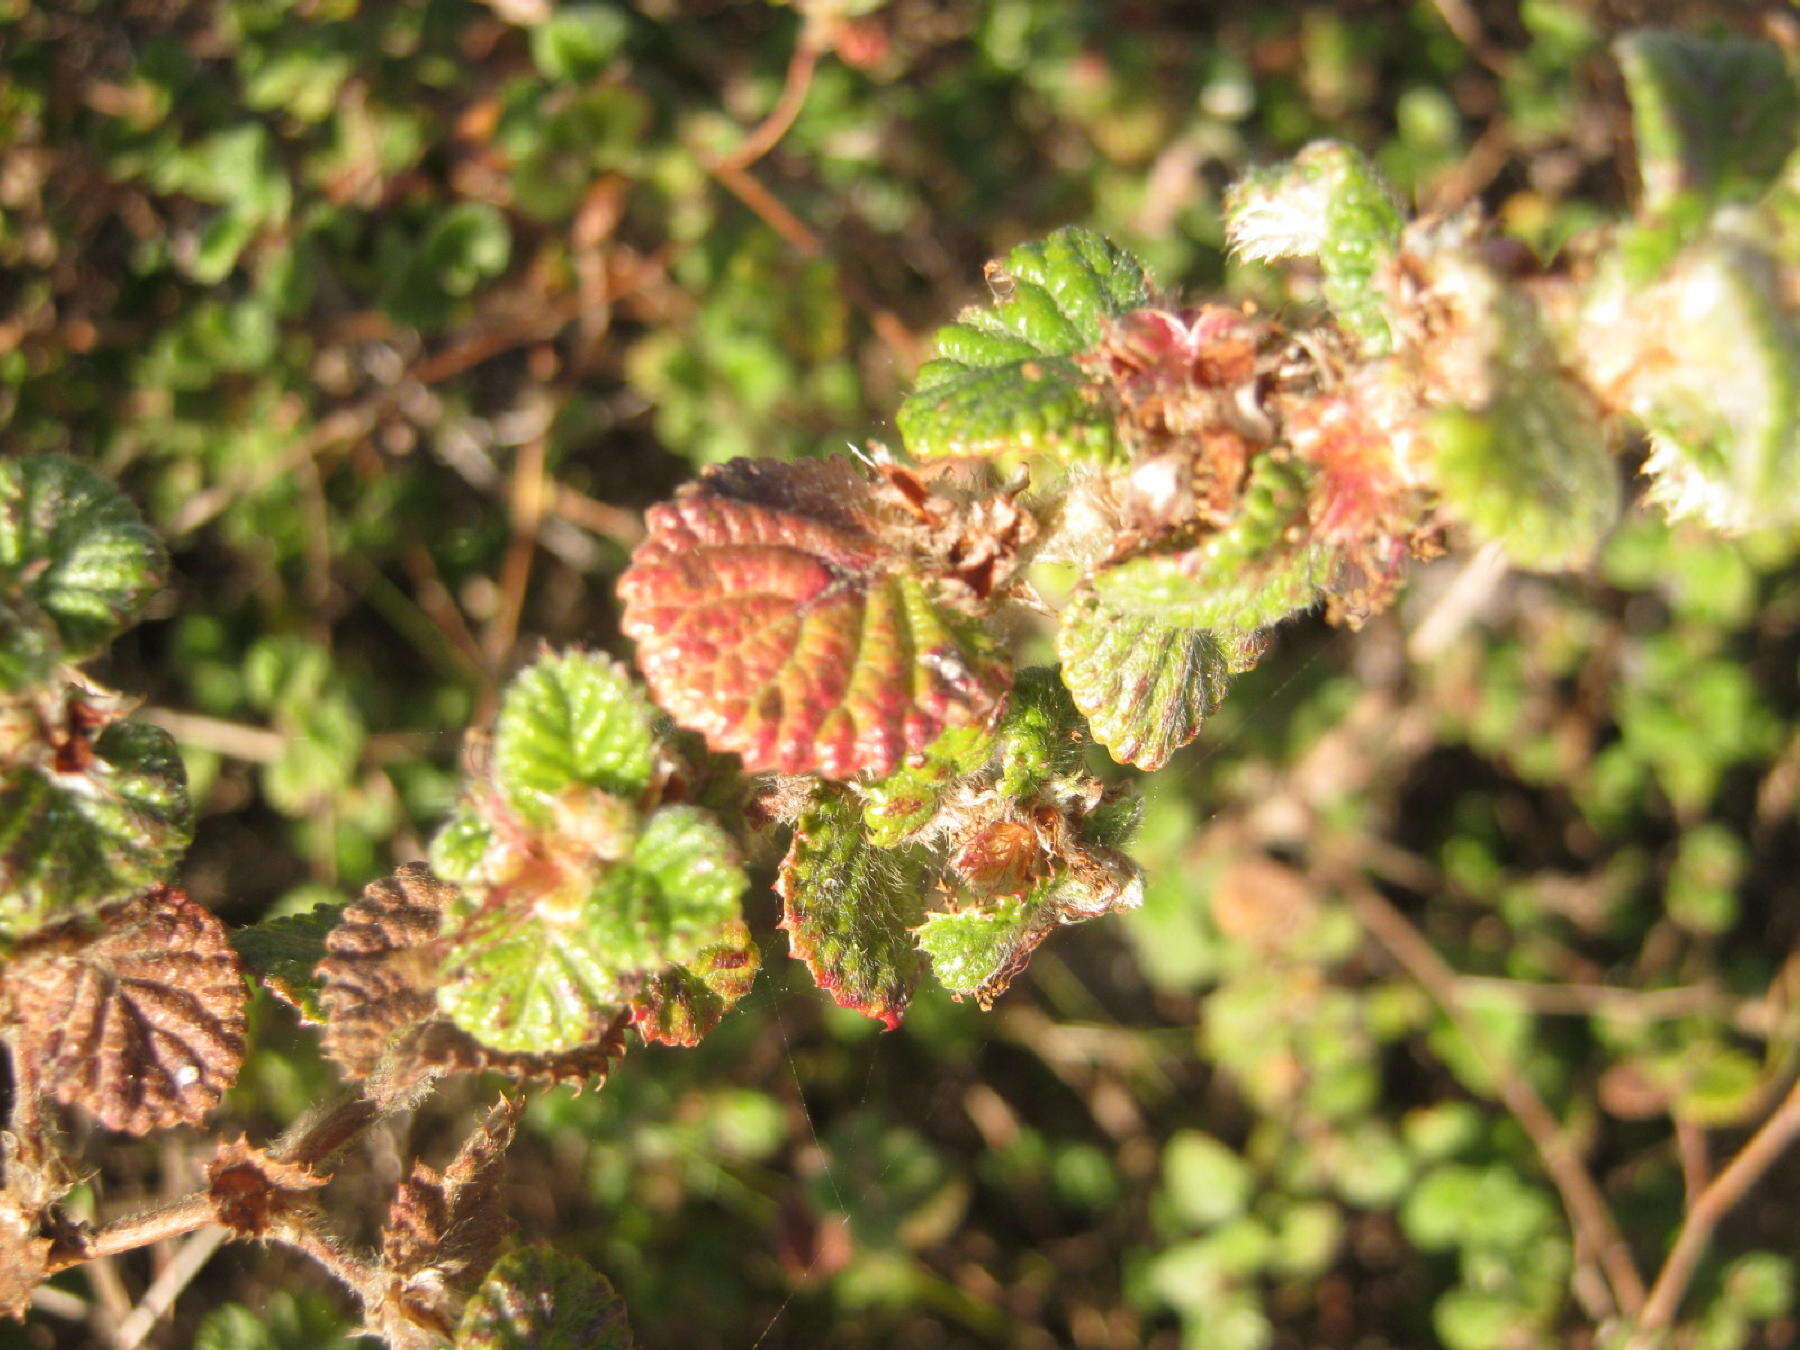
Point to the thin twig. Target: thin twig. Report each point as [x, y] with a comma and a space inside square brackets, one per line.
[255, 745]
[60, 1303]
[1596, 1231]
[527, 499]
[311, 1140]
[167, 1286]
[767, 134]
[1704, 1216]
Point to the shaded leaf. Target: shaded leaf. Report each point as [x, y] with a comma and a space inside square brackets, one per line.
[1713, 117]
[538, 1299]
[1331, 204]
[378, 979]
[848, 908]
[1144, 685]
[283, 952]
[1004, 377]
[75, 549]
[1520, 453]
[531, 971]
[85, 821]
[137, 1018]
[772, 617]
[281, 1320]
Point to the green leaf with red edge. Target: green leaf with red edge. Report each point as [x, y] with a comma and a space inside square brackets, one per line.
[682, 1004]
[538, 1299]
[1144, 684]
[772, 616]
[1004, 378]
[532, 970]
[849, 908]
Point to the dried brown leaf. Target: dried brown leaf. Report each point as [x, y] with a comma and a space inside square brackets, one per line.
[378, 990]
[249, 1186]
[378, 981]
[136, 1016]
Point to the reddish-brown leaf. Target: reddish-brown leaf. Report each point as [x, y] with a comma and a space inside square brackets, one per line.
[136, 1016]
[774, 615]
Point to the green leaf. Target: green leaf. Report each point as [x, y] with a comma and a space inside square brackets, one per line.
[1331, 204]
[1713, 117]
[1717, 383]
[682, 1004]
[282, 953]
[468, 242]
[1040, 735]
[1527, 465]
[849, 908]
[577, 42]
[570, 721]
[538, 1299]
[1004, 378]
[978, 951]
[29, 651]
[1255, 571]
[1144, 685]
[74, 548]
[534, 972]
[71, 840]
[280, 1321]
[774, 616]
[905, 801]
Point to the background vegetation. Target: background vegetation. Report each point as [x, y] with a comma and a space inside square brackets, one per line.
[393, 315]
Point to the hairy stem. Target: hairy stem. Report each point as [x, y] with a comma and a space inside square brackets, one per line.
[311, 1140]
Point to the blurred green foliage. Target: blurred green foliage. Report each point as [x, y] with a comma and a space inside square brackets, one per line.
[392, 315]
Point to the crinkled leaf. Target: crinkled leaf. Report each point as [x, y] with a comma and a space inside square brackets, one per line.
[29, 648]
[771, 617]
[1527, 462]
[570, 721]
[444, 1228]
[1331, 204]
[681, 1005]
[538, 1299]
[980, 952]
[1004, 377]
[378, 988]
[1144, 685]
[1040, 734]
[136, 1016]
[117, 819]
[1258, 569]
[534, 976]
[378, 979]
[1709, 359]
[848, 908]
[905, 801]
[75, 548]
[1713, 117]
[282, 953]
